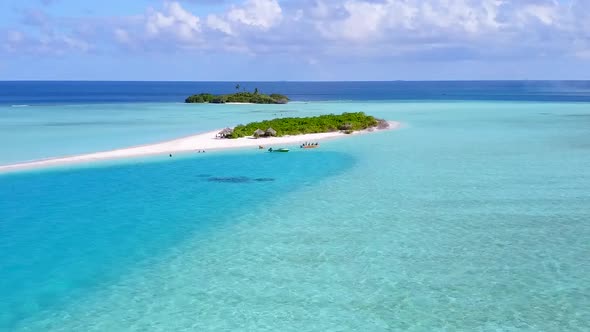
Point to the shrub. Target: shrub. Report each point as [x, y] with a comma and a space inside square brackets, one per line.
[318, 124]
[200, 98]
[238, 97]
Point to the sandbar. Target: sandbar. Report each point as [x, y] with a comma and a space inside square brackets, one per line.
[201, 142]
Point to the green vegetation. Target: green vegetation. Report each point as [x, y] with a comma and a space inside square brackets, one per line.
[239, 97]
[346, 122]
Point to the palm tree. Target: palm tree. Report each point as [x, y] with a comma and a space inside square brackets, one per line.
[255, 91]
[238, 86]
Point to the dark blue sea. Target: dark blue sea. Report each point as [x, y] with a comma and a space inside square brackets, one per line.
[72, 92]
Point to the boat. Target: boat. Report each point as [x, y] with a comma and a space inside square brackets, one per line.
[278, 150]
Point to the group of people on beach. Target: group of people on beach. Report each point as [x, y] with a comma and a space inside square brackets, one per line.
[198, 151]
[309, 144]
[304, 145]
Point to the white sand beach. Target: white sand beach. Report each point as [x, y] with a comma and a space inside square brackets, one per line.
[204, 141]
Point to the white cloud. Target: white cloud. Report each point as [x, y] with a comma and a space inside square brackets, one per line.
[173, 21]
[322, 28]
[216, 23]
[122, 36]
[320, 10]
[15, 41]
[73, 43]
[364, 20]
[173, 25]
[547, 14]
[263, 14]
[257, 14]
[449, 28]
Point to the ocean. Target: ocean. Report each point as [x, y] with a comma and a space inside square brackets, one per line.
[74, 92]
[474, 216]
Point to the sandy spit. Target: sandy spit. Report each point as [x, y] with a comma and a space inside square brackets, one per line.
[204, 141]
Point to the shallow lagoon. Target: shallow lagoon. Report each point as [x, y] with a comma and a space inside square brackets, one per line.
[474, 216]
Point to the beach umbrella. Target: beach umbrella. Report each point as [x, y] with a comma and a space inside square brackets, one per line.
[271, 132]
[225, 132]
[258, 133]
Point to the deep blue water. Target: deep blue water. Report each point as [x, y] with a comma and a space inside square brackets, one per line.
[71, 92]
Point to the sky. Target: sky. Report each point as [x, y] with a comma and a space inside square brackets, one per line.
[294, 40]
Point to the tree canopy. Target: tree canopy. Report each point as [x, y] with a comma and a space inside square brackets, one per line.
[347, 122]
[239, 97]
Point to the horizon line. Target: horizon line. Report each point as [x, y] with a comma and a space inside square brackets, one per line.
[300, 81]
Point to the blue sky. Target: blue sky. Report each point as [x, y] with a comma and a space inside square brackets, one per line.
[294, 39]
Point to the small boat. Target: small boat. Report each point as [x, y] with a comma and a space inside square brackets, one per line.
[278, 150]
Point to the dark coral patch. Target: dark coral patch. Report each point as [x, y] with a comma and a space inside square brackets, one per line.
[230, 179]
[237, 179]
[264, 179]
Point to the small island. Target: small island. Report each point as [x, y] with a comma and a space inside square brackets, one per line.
[282, 131]
[345, 122]
[239, 97]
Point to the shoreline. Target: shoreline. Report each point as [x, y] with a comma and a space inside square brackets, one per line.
[204, 141]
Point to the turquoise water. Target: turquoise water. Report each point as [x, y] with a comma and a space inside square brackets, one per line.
[473, 217]
[44, 131]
